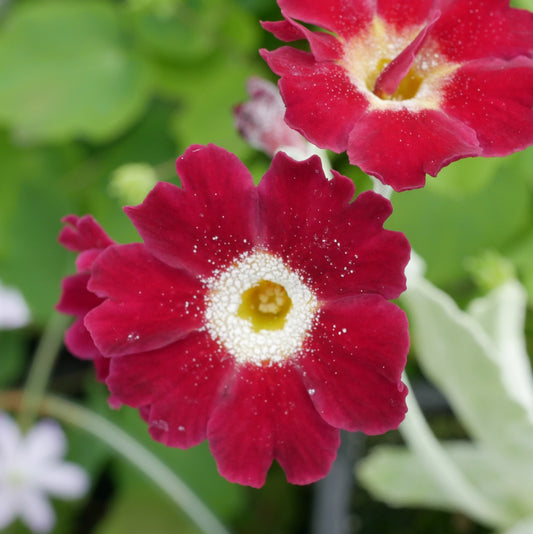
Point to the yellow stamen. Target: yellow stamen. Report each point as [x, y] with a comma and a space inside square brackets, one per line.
[265, 305]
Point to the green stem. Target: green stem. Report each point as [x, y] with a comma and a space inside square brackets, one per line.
[418, 435]
[41, 367]
[140, 458]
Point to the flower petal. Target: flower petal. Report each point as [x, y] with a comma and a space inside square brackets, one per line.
[44, 442]
[321, 100]
[358, 352]
[9, 507]
[75, 298]
[392, 75]
[36, 512]
[180, 381]
[400, 147]
[79, 342]
[83, 233]
[283, 30]
[348, 251]
[149, 304]
[495, 98]
[405, 14]
[344, 18]
[65, 480]
[208, 222]
[266, 414]
[10, 437]
[470, 30]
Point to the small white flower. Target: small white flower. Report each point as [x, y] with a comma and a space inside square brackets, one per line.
[14, 312]
[31, 467]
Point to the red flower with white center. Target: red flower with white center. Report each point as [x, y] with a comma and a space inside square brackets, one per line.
[256, 317]
[407, 87]
[85, 236]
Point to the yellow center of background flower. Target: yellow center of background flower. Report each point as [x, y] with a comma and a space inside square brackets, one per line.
[265, 305]
[367, 55]
[407, 89]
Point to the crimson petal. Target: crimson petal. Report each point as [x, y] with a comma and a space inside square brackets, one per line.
[348, 251]
[356, 357]
[495, 98]
[148, 305]
[180, 383]
[267, 414]
[83, 233]
[344, 18]
[400, 147]
[322, 102]
[207, 223]
[470, 29]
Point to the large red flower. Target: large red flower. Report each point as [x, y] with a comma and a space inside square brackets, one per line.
[85, 236]
[407, 87]
[256, 317]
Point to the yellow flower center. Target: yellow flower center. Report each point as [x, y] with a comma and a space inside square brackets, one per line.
[265, 305]
[367, 55]
[259, 309]
[407, 89]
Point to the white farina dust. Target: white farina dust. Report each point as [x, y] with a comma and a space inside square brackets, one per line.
[237, 334]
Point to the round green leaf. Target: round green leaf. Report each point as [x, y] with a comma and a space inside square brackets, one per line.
[66, 70]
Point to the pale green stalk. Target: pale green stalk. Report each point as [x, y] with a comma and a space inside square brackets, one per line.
[42, 364]
[419, 437]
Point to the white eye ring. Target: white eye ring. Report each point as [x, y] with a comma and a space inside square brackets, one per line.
[237, 335]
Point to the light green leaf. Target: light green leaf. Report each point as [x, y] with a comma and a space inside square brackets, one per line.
[524, 527]
[460, 358]
[502, 315]
[397, 476]
[65, 70]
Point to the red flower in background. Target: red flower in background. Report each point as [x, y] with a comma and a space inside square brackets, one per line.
[407, 87]
[85, 236]
[256, 317]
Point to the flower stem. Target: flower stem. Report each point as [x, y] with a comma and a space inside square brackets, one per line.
[129, 448]
[380, 188]
[41, 367]
[417, 434]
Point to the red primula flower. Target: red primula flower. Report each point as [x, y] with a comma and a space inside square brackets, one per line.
[256, 317]
[407, 87]
[86, 236]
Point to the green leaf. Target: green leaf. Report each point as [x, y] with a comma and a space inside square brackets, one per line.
[445, 230]
[36, 263]
[188, 34]
[465, 177]
[396, 476]
[524, 527]
[142, 509]
[66, 70]
[209, 95]
[458, 355]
